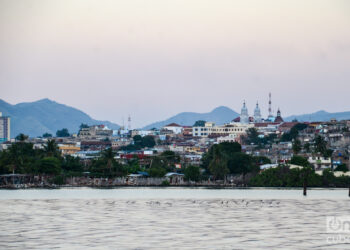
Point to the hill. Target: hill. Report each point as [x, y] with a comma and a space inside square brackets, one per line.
[219, 115]
[321, 116]
[37, 118]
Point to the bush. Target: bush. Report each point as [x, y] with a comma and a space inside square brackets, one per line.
[165, 183]
[192, 173]
[58, 180]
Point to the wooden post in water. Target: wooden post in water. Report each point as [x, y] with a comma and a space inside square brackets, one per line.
[349, 191]
[305, 189]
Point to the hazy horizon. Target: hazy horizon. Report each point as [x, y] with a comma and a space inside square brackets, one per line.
[155, 59]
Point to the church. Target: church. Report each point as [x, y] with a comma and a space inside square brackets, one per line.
[244, 118]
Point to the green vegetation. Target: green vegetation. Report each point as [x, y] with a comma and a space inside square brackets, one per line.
[293, 133]
[21, 137]
[140, 143]
[296, 146]
[320, 146]
[46, 135]
[227, 158]
[83, 125]
[283, 176]
[199, 123]
[192, 173]
[253, 137]
[342, 167]
[62, 133]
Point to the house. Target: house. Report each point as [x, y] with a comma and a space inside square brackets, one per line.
[320, 162]
[68, 149]
[175, 128]
[175, 178]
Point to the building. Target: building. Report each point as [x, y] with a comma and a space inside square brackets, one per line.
[244, 117]
[4, 128]
[279, 118]
[320, 162]
[176, 128]
[257, 114]
[68, 149]
[211, 130]
[95, 131]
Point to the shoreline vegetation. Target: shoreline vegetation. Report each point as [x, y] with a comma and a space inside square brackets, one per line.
[223, 165]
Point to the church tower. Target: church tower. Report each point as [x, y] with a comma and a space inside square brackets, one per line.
[257, 114]
[279, 118]
[244, 118]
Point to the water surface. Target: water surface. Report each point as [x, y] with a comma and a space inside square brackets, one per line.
[173, 218]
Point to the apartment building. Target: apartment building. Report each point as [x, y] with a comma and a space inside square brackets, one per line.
[4, 128]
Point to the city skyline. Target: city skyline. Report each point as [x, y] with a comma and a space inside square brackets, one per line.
[155, 60]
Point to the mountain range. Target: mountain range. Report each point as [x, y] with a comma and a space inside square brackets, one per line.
[46, 116]
[222, 115]
[219, 115]
[321, 116]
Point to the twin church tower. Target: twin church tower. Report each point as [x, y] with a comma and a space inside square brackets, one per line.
[244, 117]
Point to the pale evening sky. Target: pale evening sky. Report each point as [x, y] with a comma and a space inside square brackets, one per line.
[155, 58]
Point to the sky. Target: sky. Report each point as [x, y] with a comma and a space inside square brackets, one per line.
[152, 59]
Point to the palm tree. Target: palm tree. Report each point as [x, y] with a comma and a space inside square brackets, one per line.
[108, 155]
[51, 148]
[218, 165]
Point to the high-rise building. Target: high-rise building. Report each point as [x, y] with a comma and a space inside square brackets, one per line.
[4, 128]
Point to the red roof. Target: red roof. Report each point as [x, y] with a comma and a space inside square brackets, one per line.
[172, 125]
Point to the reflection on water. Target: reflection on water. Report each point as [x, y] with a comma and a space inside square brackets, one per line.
[161, 221]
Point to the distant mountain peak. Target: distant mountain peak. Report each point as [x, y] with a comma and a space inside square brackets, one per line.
[221, 108]
[321, 112]
[219, 115]
[46, 116]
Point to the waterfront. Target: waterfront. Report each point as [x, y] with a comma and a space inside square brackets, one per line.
[158, 218]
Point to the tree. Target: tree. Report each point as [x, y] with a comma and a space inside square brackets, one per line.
[62, 133]
[83, 125]
[192, 173]
[300, 161]
[342, 167]
[21, 137]
[218, 165]
[253, 136]
[261, 160]
[72, 164]
[51, 148]
[46, 135]
[225, 149]
[148, 141]
[307, 147]
[296, 146]
[241, 163]
[293, 133]
[199, 123]
[137, 140]
[49, 165]
[108, 156]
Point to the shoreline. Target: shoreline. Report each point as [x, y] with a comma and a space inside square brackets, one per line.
[218, 187]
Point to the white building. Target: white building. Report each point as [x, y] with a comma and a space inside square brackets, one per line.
[320, 162]
[244, 117]
[175, 128]
[257, 114]
[233, 129]
[4, 128]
